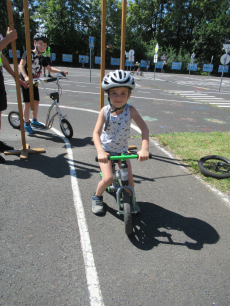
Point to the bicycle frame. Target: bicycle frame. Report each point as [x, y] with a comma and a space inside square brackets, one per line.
[115, 186]
[55, 97]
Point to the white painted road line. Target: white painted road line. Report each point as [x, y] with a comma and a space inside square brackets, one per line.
[90, 268]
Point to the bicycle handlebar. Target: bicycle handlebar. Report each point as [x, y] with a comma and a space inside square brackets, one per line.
[48, 80]
[123, 157]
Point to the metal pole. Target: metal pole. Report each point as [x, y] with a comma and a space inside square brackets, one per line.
[90, 65]
[154, 71]
[210, 66]
[103, 25]
[223, 69]
[123, 31]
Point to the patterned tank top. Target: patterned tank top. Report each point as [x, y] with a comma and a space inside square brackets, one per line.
[115, 138]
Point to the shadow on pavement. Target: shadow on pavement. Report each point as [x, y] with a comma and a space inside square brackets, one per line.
[55, 167]
[75, 142]
[156, 225]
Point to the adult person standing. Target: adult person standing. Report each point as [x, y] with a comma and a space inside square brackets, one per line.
[10, 36]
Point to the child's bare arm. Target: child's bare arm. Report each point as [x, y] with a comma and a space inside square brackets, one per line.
[102, 155]
[144, 152]
[22, 69]
[55, 70]
[8, 68]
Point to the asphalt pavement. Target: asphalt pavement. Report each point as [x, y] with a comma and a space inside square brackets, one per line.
[55, 251]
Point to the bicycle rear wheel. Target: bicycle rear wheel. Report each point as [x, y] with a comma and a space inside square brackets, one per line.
[14, 119]
[215, 166]
[127, 214]
[66, 128]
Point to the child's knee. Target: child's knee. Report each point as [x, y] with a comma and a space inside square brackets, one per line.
[108, 180]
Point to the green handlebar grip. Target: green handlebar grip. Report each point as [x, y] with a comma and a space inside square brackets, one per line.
[123, 157]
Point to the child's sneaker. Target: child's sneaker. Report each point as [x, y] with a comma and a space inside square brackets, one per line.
[29, 130]
[5, 147]
[36, 124]
[97, 205]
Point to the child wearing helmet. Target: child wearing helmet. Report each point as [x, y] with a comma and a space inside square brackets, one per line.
[112, 131]
[38, 61]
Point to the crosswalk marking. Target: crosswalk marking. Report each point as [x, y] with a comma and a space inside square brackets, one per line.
[203, 97]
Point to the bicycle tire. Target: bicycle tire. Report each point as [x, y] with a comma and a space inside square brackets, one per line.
[208, 165]
[66, 128]
[14, 119]
[127, 214]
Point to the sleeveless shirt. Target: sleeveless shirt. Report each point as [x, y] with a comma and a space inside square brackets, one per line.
[115, 138]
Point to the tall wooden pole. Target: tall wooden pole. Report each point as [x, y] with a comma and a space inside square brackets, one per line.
[28, 51]
[103, 26]
[15, 61]
[123, 32]
[25, 147]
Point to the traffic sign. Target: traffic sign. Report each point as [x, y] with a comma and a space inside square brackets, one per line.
[91, 42]
[226, 47]
[131, 52]
[225, 59]
[156, 48]
[193, 55]
[163, 57]
[155, 58]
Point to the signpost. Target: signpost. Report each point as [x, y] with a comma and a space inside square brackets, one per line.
[225, 59]
[155, 58]
[91, 46]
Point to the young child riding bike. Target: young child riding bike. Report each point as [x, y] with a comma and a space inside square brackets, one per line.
[112, 131]
[38, 61]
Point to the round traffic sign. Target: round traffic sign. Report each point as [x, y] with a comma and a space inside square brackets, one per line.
[131, 52]
[225, 58]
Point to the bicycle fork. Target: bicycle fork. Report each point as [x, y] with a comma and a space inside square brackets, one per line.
[124, 187]
[49, 122]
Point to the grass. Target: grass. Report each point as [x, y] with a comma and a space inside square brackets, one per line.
[190, 147]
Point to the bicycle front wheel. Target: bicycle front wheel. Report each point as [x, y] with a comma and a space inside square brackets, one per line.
[127, 214]
[66, 128]
[14, 119]
[215, 166]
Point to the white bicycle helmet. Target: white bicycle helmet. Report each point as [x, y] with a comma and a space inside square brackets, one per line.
[40, 36]
[118, 78]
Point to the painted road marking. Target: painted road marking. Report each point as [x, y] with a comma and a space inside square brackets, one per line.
[90, 268]
[213, 100]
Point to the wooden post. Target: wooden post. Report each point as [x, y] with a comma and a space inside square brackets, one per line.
[103, 25]
[25, 150]
[28, 50]
[15, 61]
[123, 32]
